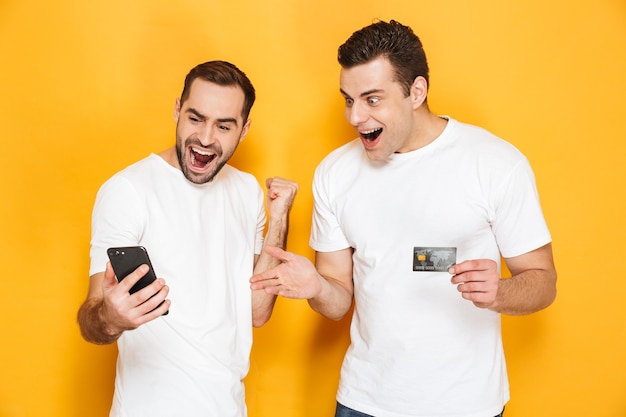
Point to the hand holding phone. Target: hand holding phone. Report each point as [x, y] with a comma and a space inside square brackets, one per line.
[125, 260]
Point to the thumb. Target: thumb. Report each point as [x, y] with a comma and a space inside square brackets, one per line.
[277, 253]
[109, 280]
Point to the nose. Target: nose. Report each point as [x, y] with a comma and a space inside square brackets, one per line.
[356, 114]
[205, 135]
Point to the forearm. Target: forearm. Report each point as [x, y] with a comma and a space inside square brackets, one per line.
[525, 293]
[532, 286]
[92, 327]
[276, 235]
[334, 300]
[263, 303]
[334, 270]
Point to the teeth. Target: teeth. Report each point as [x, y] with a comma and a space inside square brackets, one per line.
[196, 150]
[371, 135]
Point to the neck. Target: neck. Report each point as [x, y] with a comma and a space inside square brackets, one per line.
[169, 156]
[428, 127]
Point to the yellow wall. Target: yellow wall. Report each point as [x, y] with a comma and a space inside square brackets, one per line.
[88, 87]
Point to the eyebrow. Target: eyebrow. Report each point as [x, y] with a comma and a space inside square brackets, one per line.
[204, 118]
[365, 93]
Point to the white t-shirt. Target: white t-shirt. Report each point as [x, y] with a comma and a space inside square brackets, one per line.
[418, 348]
[202, 240]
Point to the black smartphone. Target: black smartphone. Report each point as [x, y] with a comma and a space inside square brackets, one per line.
[125, 260]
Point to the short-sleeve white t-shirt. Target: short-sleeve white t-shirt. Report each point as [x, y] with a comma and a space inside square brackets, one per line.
[202, 240]
[417, 348]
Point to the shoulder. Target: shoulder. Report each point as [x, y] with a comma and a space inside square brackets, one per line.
[341, 159]
[478, 136]
[135, 175]
[483, 146]
[237, 183]
[232, 174]
[142, 168]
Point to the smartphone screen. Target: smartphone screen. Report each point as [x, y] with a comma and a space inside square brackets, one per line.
[125, 260]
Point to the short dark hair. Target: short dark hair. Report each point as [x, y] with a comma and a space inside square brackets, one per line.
[393, 41]
[225, 74]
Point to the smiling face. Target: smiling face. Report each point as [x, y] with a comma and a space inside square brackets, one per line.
[378, 108]
[209, 127]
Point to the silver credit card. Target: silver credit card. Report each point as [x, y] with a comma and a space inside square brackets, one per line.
[433, 259]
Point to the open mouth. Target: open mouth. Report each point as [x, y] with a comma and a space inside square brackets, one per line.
[200, 159]
[371, 135]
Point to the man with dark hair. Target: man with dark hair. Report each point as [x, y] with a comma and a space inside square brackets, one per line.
[202, 222]
[410, 221]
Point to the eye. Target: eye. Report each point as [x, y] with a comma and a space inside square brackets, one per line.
[349, 102]
[194, 119]
[224, 128]
[372, 100]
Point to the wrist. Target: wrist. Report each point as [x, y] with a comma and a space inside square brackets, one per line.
[108, 331]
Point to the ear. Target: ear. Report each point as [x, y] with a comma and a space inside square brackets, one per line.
[177, 110]
[244, 131]
[419, 91]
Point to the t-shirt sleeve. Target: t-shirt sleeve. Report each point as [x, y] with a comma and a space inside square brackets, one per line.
[326, 232]
[117, 220]
[518, 221]
[261, 219]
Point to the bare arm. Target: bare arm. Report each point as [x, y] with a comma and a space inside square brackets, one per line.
[109, 309]
[280, 197]
[328, 291]
[335, 298]
[532, 286]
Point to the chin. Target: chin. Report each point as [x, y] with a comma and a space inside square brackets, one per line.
[377, 155]
[198, 178]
